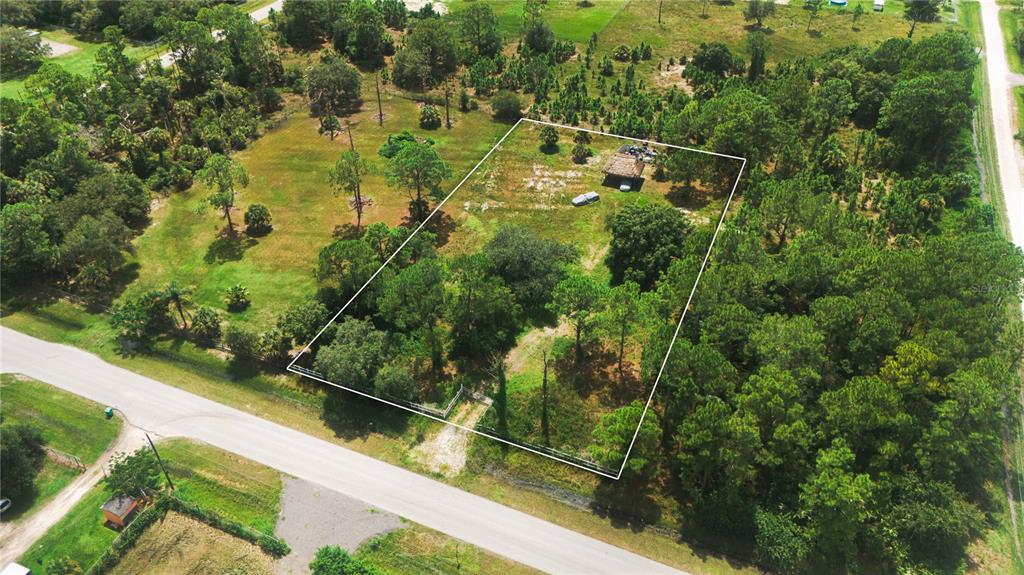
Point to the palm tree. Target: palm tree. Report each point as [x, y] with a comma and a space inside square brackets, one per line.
[179, 296]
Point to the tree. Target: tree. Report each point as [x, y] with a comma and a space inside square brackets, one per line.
[478, 27]
[224, 174]
[580, 153]
[346, 178]
[333, 560]
[858, 12]
[483, 313]
[758, 11]
[348, 264]
[430, 55]
[22, 51]
[507, 106]
[578, 298]
[197, 54]
[531, 266]
[622, 315]
[921, 11]
[367, 37]
[621, 429]
[414, 302]
[813, 8]
[244, 343]
[94, 249]
[133, 474]
[757, 47]
[924, 111]
[179, 297]
[333, 86]
[417, 168]
[537, 34]
[27, 251]
[302, 321]
[206, 324]
[139, 319]
[645, 240]
[330, 125]
[548, 138]
[353, 357]
[836, 500]
[395, 381]
[258, 220]
[21, 456]
[305, 24]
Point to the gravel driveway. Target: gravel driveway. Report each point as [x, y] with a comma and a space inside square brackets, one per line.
[313, 516]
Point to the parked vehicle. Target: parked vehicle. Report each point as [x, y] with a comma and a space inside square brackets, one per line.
[5, 504]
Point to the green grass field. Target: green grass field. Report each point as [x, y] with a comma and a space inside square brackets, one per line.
[80, 535]
[288, 169]
[567, 20]
[416, 549]
[1011, 19]
[233, 487]
[68, 423]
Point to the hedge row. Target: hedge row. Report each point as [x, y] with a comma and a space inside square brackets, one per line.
[126, 540]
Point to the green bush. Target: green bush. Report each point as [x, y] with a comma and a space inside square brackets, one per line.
[507, 105]
[430, 118]
[206, 325]
[242, 342]
[237, 297]
[258, 219]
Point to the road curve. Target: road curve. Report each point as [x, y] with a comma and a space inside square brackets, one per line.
[1010, 175]
[169, 412]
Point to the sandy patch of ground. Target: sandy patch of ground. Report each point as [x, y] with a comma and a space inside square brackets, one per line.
[672, 76]
[415, 5]
[546, 187]
[594, 256]
[313, 516]
[59, 48]
[178, 544]
[528, 346]
[445, 452]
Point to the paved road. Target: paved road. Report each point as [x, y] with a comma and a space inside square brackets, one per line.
[169, 411]
[17, 538]
[1010, 175]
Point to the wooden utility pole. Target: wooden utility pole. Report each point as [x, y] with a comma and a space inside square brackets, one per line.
[161, 462]
[660, 3]
[351, 144]
[447, 105]
[380, 109]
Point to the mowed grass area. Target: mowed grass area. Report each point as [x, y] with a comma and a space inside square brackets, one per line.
[230, 486]
[80, 61]
[288, 169]
[567, 20]
[683, 29]
[417, 549]
[1011, 20]
[68, 423]
[178, 544]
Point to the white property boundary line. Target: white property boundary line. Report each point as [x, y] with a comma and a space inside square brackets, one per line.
[721, 221]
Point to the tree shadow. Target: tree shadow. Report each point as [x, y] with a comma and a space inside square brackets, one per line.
[594, 372]
[625, 505]
[614, 182]
[440, 224]
[686, 196]
[549, 150]
[814, 33]
[352, 416]
[228, 249]
[347, 231]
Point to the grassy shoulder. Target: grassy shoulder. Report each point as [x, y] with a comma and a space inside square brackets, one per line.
[416, 549]
[1011, 20]
[68, 423]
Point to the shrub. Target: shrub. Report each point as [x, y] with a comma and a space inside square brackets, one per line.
[395, 381]
[396, 142]
[430, 118]
[507, 105]
[236, 297]
[464, 100]
[258, 219]
[242, 342]
[580, 153]
[21, 455]
[621, 53]
[206, 325]
[548, 137]
[274, 345]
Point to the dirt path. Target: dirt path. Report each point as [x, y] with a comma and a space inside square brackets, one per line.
[18, 537]
[445, 453]
[59, 48]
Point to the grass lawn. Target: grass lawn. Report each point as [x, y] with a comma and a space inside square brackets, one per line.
[567, 20]
[178, 544]
[1011, 19]
[68, 423]
[416, 549]
[288, 170]
[230, 486]
[683, 29]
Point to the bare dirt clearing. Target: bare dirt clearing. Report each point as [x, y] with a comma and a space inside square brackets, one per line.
[445, 453]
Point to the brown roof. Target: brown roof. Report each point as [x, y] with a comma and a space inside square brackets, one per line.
[120, 506]
[624, 165]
